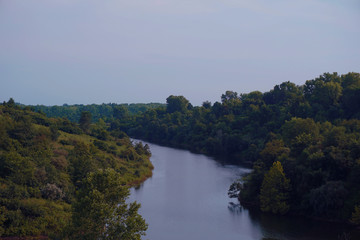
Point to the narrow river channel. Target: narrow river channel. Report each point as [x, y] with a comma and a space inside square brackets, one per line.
[186, 198]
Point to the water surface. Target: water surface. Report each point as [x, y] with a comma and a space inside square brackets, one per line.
[186, 198]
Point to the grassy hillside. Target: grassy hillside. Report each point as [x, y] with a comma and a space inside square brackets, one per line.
[43, 163]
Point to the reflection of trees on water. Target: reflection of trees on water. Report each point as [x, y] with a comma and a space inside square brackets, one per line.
[274, 227]
[235, 207]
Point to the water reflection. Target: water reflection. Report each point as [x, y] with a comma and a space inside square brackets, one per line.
[294, 227]
[186, 198]
[235, 208]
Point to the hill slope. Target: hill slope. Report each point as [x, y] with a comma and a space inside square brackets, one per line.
[43, 163]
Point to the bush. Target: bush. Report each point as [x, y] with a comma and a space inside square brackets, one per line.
[101, 145]
[52, 192]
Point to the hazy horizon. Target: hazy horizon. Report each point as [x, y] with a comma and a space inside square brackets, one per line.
[116, 51]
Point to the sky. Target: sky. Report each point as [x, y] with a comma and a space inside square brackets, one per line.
[54, 52]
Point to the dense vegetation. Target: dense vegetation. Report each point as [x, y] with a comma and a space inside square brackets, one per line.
[103, 111]
[303, 141]
[66, 180]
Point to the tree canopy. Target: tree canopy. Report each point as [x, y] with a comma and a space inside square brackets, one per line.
[312, 130]
[274, 190]
[51, 171]
[101, 211]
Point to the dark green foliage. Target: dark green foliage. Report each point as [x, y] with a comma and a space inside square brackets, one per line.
[69, 127]
[176, 104]
[206, 104]
[326, 200]
[104, 111]
[10, 103]
[313, 130]
[85, 121]
[82, 162]
[121, 112]
[101, 145]
[54, 132]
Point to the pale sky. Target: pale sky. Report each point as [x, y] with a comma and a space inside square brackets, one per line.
[139, 51]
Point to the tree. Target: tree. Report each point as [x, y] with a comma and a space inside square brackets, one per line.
[101, 211]
[328, 199]
[206, 104]
[176, 104]
[272, 151]
[81, 161]
[274, 190]
[351, 95]
[121, 112]
[297, 127]
[10, 103]
[229, 96]
[85, 121]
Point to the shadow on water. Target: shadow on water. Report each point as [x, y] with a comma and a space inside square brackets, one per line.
[227, 160]
[296, 227]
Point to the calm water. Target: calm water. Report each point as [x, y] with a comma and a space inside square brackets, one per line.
[186, 198]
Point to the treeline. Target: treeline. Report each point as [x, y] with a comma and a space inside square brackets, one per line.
[304, 142]
[103, 111]
[64, 180]
[240, 125]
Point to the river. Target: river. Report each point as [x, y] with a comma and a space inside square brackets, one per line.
[186, 198]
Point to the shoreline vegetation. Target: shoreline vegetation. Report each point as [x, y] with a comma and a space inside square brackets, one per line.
[310, 132]
[303, 141]
[46, 165]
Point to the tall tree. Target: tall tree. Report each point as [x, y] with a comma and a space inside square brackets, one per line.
[274, 190]
[101, 211]
[176, 104]
[121, 112]
[85, 121]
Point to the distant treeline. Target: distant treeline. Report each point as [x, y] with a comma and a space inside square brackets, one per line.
[104, 111]
[303, 141]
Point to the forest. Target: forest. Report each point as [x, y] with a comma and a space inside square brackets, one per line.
[103, 111]
[65, 180]
[303, 142]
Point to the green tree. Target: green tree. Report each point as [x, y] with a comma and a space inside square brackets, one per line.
[351, 95]
[81, 161]
[101, 211]
[229, 96]
[121, 112]
[206, 104]
[176, 104]
[328, 199]
[10, 103]
[274, 190]
[85, 121]
[272, 151]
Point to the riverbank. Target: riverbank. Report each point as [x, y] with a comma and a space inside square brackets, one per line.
[186, 198]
